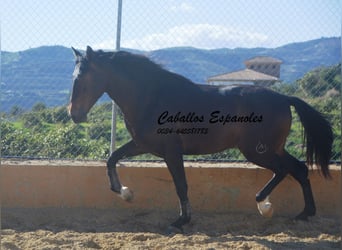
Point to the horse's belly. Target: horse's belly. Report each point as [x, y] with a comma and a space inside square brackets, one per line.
[207, 143]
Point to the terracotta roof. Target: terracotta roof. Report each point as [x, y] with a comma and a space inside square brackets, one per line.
[263, 59]
[246, 75]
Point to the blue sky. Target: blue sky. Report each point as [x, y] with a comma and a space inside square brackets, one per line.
[156, 24]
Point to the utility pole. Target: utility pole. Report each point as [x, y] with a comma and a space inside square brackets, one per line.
[114, 106]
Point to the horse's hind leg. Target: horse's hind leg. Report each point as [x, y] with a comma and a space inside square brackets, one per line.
[175, 165]
[300, 173]
[280, 172]
[289, 164]
[271, 161]
[277, 177]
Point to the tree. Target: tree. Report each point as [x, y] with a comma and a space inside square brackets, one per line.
[39, 106]
[61, 115]
[16, 110]
[317, 82]
[31, 120]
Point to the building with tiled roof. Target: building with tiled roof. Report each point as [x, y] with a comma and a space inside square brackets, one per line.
[261, 70]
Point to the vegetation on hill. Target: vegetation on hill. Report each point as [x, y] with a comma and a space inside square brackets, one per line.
[49, 132]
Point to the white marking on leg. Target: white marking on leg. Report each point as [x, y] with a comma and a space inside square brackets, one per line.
[126, 193]
[265, 208]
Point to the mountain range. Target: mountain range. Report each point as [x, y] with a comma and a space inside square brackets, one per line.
[44, 74]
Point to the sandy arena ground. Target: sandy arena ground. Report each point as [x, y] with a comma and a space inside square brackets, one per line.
[64, 228]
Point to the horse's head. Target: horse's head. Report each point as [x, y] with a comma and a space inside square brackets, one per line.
[89, 84]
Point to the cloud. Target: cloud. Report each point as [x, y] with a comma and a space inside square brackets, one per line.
[205, 36]
[183, 7]
[106, 44]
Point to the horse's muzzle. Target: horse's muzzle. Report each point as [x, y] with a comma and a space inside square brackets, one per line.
[77, 116]
[79, 119]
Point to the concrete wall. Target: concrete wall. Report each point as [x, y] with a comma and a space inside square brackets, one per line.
[219, 189]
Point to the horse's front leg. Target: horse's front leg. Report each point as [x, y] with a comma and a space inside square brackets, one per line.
[176, 167]
[127, 150]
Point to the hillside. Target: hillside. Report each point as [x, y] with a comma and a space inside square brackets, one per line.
[36, 75]
[298, 58]
[44, 74]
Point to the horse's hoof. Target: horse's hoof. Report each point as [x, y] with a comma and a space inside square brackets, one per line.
[302, 216]
[172, 230]
[126, 194]
[265, 208]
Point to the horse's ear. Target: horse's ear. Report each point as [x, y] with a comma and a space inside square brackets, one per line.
[76, 52]
[89, 52]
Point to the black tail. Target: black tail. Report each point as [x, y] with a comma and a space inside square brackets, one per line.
[317, 133]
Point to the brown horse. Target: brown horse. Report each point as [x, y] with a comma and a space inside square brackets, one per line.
[169, 116]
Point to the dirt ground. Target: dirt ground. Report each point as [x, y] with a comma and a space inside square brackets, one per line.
[67, 228]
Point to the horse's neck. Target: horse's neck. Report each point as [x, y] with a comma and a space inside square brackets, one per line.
[136, 94]
[130, 97]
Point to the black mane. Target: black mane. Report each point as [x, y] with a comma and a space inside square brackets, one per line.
[141, 66]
